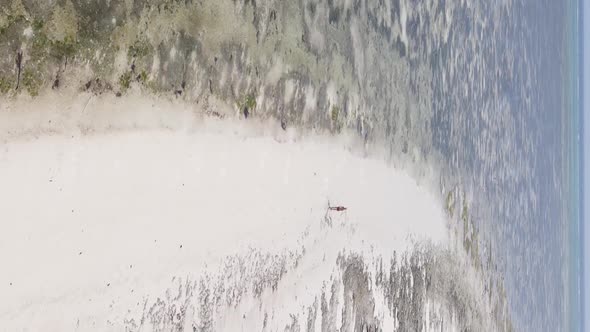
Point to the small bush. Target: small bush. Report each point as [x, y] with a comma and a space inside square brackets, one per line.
[30, 82]
[63, 48]
[139, 49]
[250, 102]
[335, 117]
[4, 85]
[125, 81]
[247, 105]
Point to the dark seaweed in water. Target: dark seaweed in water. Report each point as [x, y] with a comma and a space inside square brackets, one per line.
[416, 282]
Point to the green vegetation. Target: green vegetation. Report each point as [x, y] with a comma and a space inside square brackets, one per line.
[30, 82]
[4, 85]
[127, 77]
[336, 118]
[142, 77]
[59, 49]
[464, 212]
[40, 45]
[37, 25]
[125, 81]
[139, 49]
[7, 21]
[470, 235]
[464, 218]
[248, 104]
[335, 113]
[65, 48]
[450, 203]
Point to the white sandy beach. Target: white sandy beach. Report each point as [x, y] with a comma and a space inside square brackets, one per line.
[97, 221]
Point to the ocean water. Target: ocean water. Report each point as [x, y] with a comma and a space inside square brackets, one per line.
[505, 125]
[477, 102]
[574, 103]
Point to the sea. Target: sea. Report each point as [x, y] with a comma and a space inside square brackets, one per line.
[508, 117]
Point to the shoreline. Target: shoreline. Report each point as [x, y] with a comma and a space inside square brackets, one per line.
[248, 180]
